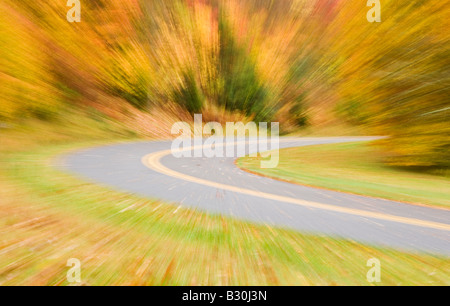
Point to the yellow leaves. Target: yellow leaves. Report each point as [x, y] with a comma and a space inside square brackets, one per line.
[284, 55]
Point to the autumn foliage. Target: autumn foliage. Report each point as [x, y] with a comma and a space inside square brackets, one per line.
[300, 62]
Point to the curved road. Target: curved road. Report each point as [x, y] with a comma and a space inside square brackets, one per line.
[218, 186]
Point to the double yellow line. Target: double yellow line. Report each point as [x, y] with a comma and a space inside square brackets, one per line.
[153, 161]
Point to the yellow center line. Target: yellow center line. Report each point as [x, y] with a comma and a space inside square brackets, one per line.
[153, 161]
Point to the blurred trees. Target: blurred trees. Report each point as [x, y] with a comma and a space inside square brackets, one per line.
[395, 79]
[240, 87]
[290, 61]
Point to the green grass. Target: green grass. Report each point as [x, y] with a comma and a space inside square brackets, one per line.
[48, 217]
[355, 168]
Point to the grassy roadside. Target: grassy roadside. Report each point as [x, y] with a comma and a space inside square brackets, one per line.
[48, 217]
[355, 168]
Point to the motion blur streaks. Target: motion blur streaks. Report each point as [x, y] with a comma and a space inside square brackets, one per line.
[132, 68]
[295, 61]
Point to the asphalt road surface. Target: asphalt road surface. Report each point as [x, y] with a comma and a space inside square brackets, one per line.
[218, 186]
